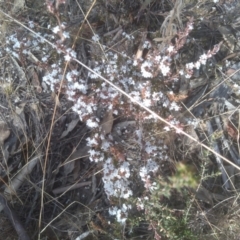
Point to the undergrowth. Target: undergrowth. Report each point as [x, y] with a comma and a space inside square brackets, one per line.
[124, 74]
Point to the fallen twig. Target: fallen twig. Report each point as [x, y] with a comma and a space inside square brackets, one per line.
[71, 187]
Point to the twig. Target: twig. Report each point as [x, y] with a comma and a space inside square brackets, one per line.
[11, 215]
[71, 187]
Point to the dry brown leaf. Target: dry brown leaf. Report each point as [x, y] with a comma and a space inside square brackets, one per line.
[176, 97]
[231, 130]
[70, 127]
[70, 164]
[204, 195]
[188, 143]
[68, 167]
[4, 132]
[79, 153]
[19, 120]
[33, 76]
[107, 122]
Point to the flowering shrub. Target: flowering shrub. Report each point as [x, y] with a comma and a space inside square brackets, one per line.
[141, 78]
[130, 152]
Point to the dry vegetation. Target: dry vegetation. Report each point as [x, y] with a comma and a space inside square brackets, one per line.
[119, 119]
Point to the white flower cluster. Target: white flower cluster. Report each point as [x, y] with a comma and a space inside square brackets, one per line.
[194, 122]
[53, 77]
[120, 213]
[95, 38]
[155, 63]
[17, 47]
[174, 122]
[201, 61]
[115, 179]
[174, 106]
[146, 68]
[75, 84]
[151, 166]
[70, 54]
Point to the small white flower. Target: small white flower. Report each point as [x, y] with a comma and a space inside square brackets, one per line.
[164, 69]
[95, 38]
[181, 72]
[105, 145]
[135, 63]
[190, 27]
[190, 66]
[92, 124]
[91, 142]
[16, 45]
[113, 210]
[70, 54]
[174, 106]
[146, 45]
[147, 102]
[56, 29]
[170, 48]
[197, 65]
[66, 34]
[203, 59]
[92, 152]
[145, 73]
[44, 59]
[167, 128]
[31, 24]
[67, 57]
